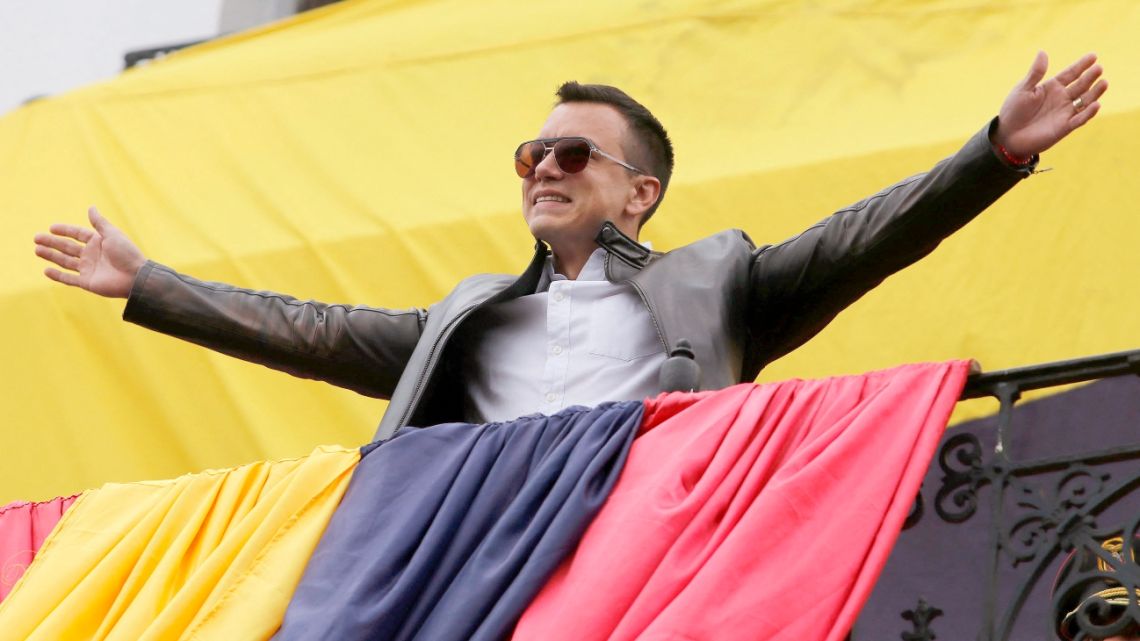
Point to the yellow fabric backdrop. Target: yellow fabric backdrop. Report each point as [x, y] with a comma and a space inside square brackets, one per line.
[209, 556]
[361, 153]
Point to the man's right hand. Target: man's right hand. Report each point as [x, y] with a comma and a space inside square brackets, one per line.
[101, 260]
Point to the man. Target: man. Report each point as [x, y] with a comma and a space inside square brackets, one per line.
[501, 346]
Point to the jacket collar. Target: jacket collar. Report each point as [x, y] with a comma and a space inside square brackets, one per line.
[622, 247]
[528, 281]
[625, 257]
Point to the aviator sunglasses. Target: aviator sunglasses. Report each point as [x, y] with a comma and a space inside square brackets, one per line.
[572, 154]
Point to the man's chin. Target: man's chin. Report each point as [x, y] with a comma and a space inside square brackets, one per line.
[558, 230]
[546, 227]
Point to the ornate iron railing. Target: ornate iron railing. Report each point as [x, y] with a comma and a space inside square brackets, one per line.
[1044, 513]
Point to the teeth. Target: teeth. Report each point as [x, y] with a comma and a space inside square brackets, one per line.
[557, 199]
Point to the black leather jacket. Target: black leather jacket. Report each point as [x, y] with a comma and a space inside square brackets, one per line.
[741, 306]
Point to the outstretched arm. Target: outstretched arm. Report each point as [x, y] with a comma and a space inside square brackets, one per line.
[100, 259]
[361, 348]
[800, 285]
[364, 349]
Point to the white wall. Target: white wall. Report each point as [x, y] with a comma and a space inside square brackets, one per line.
[51, 46]
[238, 15]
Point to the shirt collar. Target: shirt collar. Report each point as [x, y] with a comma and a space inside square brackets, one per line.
[593, 270]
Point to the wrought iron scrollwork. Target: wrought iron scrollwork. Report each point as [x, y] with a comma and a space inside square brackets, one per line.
[963, 474]
[1040, 510]
[1051, 518]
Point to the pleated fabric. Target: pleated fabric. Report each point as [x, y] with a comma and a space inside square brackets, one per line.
[208, 556]
[755, 512]
[448, 532]
[23, 528]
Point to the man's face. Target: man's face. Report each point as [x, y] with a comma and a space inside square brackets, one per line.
[567, 210]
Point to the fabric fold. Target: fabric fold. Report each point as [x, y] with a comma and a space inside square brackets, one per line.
[24, 526]
[213, 555]
[447, 532]
[755, 512]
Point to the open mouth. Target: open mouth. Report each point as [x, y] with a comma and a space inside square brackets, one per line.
[551, 198]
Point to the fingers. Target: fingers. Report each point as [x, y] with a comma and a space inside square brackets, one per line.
[1074, 71]
[1082, 84]
[1084, 115]
[62, 277]
[98, 221]
[1036, 71]
[82, 234]
[58, 243]
[58, 257]
[1094, 94]
[1091, 105]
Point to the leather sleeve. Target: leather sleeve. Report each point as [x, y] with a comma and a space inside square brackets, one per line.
[360, 348]
[798, 286]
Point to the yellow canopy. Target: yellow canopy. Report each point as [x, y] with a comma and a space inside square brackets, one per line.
[360, 153]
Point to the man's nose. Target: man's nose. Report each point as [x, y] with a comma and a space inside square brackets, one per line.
[548, 168]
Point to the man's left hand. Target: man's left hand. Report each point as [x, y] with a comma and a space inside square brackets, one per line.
[1036, 115]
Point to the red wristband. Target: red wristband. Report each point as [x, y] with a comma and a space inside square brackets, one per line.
[1011, 159]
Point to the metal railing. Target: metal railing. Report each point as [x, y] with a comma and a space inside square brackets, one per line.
[1043, 512]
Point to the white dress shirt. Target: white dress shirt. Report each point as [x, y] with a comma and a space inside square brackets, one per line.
[574, 342]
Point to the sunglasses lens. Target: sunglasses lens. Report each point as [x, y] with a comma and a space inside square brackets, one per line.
[527, 157]
[572, 155]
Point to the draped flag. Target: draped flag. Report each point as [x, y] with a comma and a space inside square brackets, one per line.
[742, 511]
[447, 533]
[213, 555]
[23, 528]
[690, 516]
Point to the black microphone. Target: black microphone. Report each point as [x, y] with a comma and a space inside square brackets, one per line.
[680, 372]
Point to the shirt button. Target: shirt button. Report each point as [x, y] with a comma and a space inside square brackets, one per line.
[550, 397]
[558, 296]
[557, 350]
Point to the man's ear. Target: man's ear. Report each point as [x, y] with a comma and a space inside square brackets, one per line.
[645, 190]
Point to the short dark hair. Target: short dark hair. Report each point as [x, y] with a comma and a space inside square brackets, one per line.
[652, 151]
